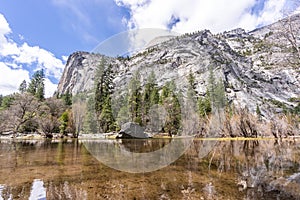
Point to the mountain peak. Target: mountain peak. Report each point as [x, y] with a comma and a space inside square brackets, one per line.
[255, 67]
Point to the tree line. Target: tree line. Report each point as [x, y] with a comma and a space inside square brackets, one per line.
[29, 111]
[145, 103]
[106, 111]
[158, 108]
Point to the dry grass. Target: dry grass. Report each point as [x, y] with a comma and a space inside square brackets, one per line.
[241, 123]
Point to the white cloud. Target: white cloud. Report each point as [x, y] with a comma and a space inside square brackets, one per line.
[44, 59]
[65, 58]
[7, 46]
[297, 11]
[13, 65]
[4, 28]
[273, 10]
[10, 79]
[193, 15]
[16, 55]
[50, 88]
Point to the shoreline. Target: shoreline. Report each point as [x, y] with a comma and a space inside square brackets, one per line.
[112, 136]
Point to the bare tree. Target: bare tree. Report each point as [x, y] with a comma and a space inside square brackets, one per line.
[49, 114]
[79, 110]
[48, 124]
[56, 106]
[23, 110]
[290, 30]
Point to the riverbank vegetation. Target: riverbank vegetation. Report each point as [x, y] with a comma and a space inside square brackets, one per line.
[28, 111]
[161, 109]
[164, 109]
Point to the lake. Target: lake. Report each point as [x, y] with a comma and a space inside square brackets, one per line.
[150, 169]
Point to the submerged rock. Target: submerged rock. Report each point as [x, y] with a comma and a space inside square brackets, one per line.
[132, 130]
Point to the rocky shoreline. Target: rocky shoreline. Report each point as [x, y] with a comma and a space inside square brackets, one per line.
[113, 135]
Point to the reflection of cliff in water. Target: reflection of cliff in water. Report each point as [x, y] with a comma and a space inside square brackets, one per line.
[209, 169]
[264, 169]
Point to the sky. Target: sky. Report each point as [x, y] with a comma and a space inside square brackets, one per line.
[37, 34]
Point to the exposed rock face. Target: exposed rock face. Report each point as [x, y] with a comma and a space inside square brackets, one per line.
[255, 67]
[132, 130]
[78, 75]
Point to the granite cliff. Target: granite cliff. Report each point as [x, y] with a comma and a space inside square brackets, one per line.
[258, 68]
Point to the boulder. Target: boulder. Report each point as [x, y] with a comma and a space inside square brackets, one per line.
[132, 130]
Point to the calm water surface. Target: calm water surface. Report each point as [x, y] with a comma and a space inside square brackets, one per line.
[233, 169]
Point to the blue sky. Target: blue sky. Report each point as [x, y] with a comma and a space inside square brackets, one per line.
[62, 27]
[37, 34]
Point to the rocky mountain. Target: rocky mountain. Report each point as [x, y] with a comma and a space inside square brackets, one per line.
[258, 68]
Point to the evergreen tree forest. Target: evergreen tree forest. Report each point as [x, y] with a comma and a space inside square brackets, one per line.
[107, 114]
[159, 109]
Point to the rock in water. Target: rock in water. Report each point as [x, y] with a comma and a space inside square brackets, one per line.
[132, 130]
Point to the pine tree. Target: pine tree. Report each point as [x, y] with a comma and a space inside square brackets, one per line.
[122, 110]
[36, 86]
[220, 99]
[23, 87]
[191, 80]
[167, 90]
[99, 86]
[204, 105]
[211, 86]
[7, 101]
[135, 99]
[297, 109]
[67, 98]
[171, 103]
[172, 123]
[258, 112]
[191, 92]
[103, 90]
[216, 91]
[1, 98]
[154, 96]
[103, 84]
[164, 93]
[150, 96]
[106, 118]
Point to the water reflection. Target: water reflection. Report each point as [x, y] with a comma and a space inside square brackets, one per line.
[209, 169]
[143, 145]
[123, 155]
[38, 191]
[1, 192]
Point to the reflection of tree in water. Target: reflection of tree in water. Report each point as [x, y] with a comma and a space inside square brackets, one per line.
[260, 169]
[257, 165]
[268, 168]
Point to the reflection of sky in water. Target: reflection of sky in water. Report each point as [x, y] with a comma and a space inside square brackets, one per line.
[1, 189]
[129, 42]
[38, 191]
